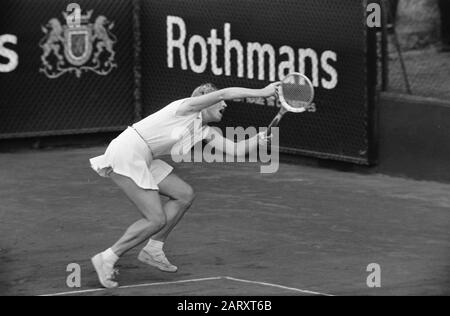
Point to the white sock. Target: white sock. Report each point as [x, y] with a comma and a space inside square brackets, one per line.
[110, 257]
[154, 245]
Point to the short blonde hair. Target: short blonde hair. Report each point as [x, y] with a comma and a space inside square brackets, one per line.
[204, 89]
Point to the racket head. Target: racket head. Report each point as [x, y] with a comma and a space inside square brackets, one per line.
[296, 92]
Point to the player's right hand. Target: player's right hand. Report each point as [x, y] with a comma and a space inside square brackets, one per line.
[271, 90]
[264, 139]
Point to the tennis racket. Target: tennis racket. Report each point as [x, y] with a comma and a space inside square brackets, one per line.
[296, 95]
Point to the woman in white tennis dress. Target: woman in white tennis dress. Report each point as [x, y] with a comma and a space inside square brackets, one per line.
[130, 161]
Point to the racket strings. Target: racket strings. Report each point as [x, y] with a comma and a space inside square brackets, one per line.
[297, 91]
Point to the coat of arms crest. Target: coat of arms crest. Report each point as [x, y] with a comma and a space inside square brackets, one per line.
[86, 47]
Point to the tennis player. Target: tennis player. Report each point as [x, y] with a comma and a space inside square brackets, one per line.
[130, 161]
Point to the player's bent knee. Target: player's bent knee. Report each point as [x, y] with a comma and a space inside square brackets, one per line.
[157, 221]
[188, 196]
[160, 221]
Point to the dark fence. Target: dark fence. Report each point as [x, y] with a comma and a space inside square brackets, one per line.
[109, 71]
[418, 47]
[250, 43]
[58, 80]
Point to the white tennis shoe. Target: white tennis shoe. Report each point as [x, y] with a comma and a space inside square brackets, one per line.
[106, 272]
[157, 259]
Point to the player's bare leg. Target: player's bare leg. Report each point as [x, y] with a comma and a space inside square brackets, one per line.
[181, 197]
[149, 204]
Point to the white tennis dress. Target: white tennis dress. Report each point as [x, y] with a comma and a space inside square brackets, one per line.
[132, 153]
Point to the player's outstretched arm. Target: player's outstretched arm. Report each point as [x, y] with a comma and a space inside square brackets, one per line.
[239, 149]
[197, 104]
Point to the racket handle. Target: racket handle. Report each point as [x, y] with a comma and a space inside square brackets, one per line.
[275, 122]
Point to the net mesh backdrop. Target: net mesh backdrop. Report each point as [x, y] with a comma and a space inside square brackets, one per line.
[251, 43]
[417, 35]
[58, 86]
[297, 91]
[119, 65]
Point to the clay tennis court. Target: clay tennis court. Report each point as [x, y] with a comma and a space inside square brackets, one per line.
[302, 231]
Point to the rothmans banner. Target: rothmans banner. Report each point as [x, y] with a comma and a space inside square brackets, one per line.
[60, 75]
[251, 43]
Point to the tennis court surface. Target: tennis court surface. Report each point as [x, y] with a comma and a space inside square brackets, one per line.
[301, 231]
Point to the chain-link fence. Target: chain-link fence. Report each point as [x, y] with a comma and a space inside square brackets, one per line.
[129, 58]
[57, 79]
[253, 42]
[418, 50]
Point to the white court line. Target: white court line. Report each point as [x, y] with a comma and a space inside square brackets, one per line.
[188, 281]
[278, 286]
[134, 286]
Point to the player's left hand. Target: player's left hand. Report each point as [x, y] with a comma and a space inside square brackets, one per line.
[264, 139]
[271, 90]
